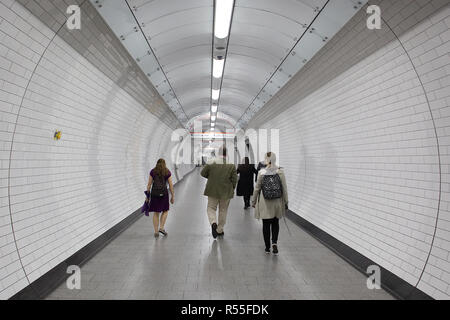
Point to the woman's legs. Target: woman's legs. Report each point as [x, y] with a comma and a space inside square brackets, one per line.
[275, 229]
[266, 232]
[156, 221]
[163, 219]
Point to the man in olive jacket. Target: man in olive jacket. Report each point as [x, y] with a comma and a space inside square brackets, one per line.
[222, 180]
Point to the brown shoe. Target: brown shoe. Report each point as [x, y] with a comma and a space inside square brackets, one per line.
[275, 249]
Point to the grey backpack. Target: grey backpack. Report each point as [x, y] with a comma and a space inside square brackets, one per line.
[271, 187]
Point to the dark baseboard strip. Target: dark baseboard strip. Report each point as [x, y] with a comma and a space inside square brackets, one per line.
[51, 280]
[393, 284]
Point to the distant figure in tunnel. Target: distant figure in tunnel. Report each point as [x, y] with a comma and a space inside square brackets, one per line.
[260, 166]
[271, 205]
[222, 179]
[245, 183]
[159, 196]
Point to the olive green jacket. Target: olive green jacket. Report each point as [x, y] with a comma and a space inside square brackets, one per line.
[222, 179]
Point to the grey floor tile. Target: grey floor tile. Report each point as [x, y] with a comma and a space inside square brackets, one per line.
[220, 295]
[196, 295]
[96, 294]
[117, 295]
[142, 295]
[175, 295]
[189, 263]
[251, 296]
[304, 296]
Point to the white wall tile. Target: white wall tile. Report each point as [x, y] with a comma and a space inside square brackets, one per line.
[64, 194]
[358, 143]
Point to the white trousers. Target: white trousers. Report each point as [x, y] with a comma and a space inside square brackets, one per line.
[213, 203]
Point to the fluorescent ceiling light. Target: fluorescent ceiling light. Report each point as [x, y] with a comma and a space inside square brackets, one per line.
[222, 18]
[214, 108]
[213, 118]
[218, 68]
[215, 94]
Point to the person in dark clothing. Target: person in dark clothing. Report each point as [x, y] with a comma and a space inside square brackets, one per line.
[245, 184]
[261, 165]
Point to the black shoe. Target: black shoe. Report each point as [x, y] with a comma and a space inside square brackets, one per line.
[221, 234]
[267, 250]
[214, 230]
[275, 249]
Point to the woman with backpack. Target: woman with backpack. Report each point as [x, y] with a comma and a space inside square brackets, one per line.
[159, 196]
[270, 200]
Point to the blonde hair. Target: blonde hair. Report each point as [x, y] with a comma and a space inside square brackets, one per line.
[271, 158]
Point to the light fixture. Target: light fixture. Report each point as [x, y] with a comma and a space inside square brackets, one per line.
[218, 68]
[214, 108]
[213, 118]
[222, 18]
[215, 94]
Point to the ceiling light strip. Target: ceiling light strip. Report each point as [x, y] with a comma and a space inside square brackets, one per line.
[222, 21]
[223, 12]
[218, 67]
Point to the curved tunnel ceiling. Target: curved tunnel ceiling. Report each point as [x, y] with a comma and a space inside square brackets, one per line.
[269, 42]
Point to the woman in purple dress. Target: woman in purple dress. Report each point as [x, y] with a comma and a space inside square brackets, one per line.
[159, 196]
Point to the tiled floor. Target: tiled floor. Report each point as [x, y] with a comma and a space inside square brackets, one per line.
[190, 264]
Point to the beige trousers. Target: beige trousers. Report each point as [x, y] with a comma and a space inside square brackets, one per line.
[223, 209]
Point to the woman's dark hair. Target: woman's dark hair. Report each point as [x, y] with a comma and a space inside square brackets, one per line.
[161, 169]
[246, 160]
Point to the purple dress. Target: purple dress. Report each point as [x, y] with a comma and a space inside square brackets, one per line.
[159, 204]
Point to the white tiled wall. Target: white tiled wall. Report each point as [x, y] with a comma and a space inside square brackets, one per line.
[359, 146]
[63, 194]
